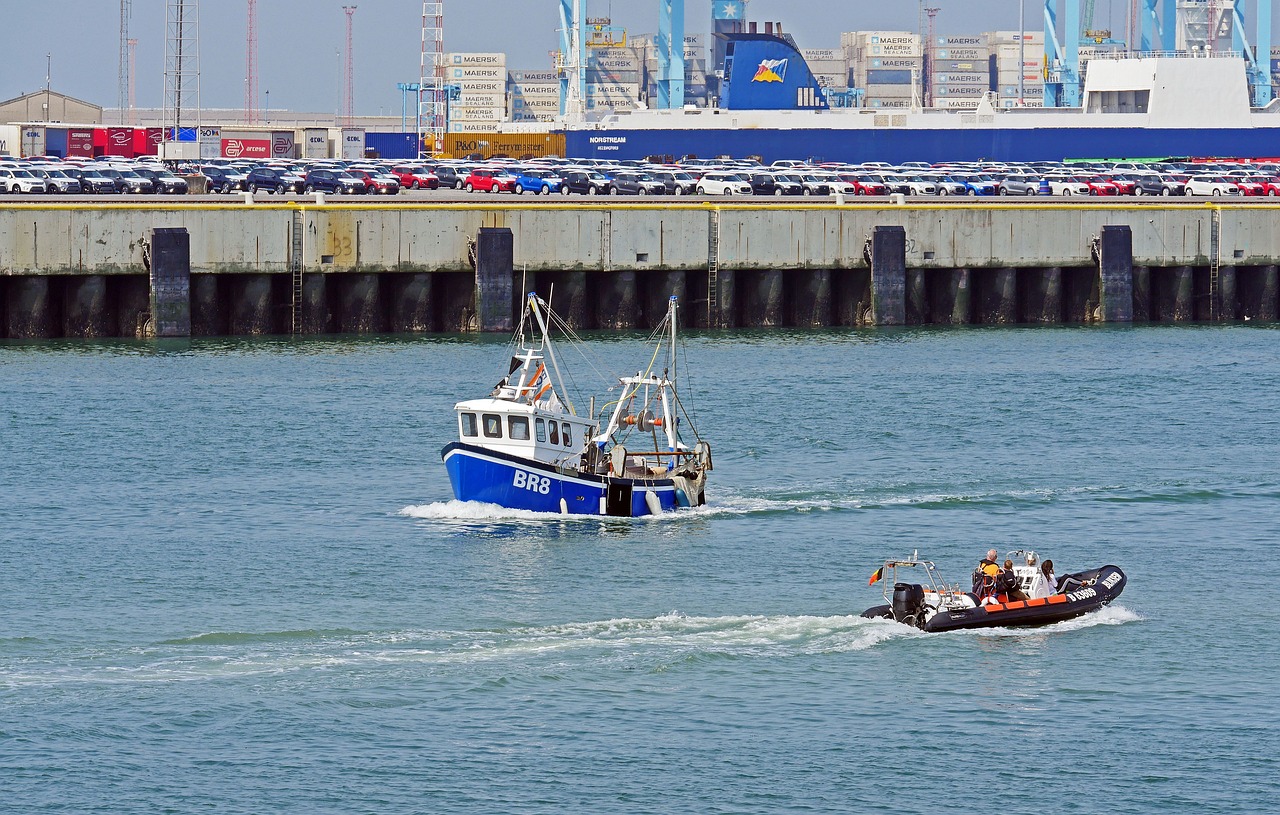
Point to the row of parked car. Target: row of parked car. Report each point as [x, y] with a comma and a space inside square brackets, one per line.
[702, 177]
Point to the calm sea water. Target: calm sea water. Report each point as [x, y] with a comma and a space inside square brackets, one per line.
[232, 580]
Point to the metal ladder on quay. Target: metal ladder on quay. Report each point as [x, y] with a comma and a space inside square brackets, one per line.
[1215, 266]
[295, 269]
[713, 270]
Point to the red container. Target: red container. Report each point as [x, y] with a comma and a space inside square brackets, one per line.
[80, 143]
[119, 142]
[246, 148]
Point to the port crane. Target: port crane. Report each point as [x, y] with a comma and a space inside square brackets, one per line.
[571, 64]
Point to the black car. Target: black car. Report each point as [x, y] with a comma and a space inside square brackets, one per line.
[221, 179]
[274, 179]
[770, 184]
[1149, 184]
[451, 176]
[166, 183]
[339, 182]
[92, 180]
[128, 181]
[586, 182]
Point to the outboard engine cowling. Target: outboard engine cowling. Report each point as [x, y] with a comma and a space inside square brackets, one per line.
[908, 603]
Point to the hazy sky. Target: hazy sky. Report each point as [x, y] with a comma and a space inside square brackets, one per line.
[300, 41]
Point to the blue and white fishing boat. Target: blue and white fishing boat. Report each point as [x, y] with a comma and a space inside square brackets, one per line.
[525, 446]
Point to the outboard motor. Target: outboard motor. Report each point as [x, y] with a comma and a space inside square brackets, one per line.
[908, 603]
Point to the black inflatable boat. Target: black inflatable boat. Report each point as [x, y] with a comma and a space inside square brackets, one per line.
[933, 606]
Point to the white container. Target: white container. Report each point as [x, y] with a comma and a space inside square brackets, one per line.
[961, 79]
[467, 86]
[460, 73]
[1001, 37]
[975, 54]
[352, 141]
[476, 60]
[960, 41]
[523, 77]
[958, 91]
[315, 143]
[480, 114]
[955, 104]
[473, 127]
[812, 55]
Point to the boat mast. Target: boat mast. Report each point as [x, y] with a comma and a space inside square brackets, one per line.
[551, 354]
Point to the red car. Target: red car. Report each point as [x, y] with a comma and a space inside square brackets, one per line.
[413, 177]
[490, 179]
[1124, 186]
[1249, 186]
[863, 185]
[375, 184]
[1098, 185]
[1270, 184]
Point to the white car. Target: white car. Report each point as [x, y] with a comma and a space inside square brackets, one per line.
[21, 181]
[835, 183]
[723, 183]
[1211, 185]
[1066, 185]
[920, 185]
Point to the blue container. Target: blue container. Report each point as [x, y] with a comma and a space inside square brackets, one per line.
[55, 142]
[392, 145]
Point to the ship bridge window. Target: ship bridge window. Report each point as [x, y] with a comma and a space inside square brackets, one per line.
[492, 426]
[540, 428]
[469, 426]
[555, 432]
[518, 428]
[566, 434]
[1119, 101]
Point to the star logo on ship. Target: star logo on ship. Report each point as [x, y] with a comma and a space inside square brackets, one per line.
[729, 11]
[771, 70]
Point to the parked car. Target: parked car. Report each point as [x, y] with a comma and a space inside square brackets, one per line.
[338, 182]
[452, 177]
[377, 182]
[21, 181]
[777, 184]
[414, 177]
[59, 181]
[1099, 186]
[223, 179]
[1066, 185]
[1212, 185]
[539, 180]
[722, 182]
[127, 181]
[92, 181]
[274, 179]
[586, 182]
[490, 179]
[637, 183]
[864, 184]
[163, 181]
[1020, 185]
[678, 182]
[1148, 184]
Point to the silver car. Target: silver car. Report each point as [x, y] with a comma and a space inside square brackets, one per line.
[58, 181]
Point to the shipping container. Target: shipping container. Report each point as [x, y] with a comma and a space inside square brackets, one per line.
[55, 142]
[535, 89]
[479, 100]
[33, 141]
[892, 104]
[459, 144]
[596, 77]
[1011, 78]
[284, 144]
[519, 77]
[889, 78]
[961, 41]
[889, 91]
[828, 66]
[1026, 103]
[1004, 37]
[1035, 91]
[960, 66]
[391, 145]
[474, 127]
[812, 55]
[352, 141]
[956, 104]
[254, 148]
[520, 103]
[119, 142]
[476, 60]
[467, 86]
[959, 91]
[79, 142]
[463, 73]
[976, 54]
[209, 141]
[10, 140]
[961, 79]
[485, 114]
[315, 143]
[829, 81]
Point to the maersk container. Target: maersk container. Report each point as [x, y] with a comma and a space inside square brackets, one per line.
[392, 145]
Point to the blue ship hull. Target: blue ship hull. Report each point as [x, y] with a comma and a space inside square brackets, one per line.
[483, 475]
[897, 145]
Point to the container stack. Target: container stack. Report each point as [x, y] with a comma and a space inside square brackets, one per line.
[533, 96]
[481, 104]
[959, 71]
[1018, 55]
[829, 67]
[696, 70]
[613, 79]
[885, 64]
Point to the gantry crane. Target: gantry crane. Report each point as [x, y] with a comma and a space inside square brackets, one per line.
[572, 62]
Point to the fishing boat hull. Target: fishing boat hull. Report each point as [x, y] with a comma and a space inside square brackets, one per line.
[492, 477]
[1085, 592]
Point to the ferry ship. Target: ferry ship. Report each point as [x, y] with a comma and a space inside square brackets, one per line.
[772, 107]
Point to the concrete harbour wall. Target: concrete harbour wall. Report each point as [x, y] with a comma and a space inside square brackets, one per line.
[84, 270]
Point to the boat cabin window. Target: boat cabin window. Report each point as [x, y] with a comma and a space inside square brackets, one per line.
[518, 428]
[555, 433]
[469, 426]
[492, 426]
[567, 435]
[540, 428]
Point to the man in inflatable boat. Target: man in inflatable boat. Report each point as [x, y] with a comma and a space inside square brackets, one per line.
[994, 584]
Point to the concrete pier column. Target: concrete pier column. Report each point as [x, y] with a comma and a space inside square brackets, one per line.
[997, 302]
[726, 315]
[571, 299]
[86, 308]
[917, 305]
[1040, 295]
[952, 303]
[250, 312]
[4, 308]
[1184, 294]
[765, 299]
[208, 309]
[1268, 307]
[360, 308]
[888, 275]
[811, 298]
[1115, 265]
[171, 282]
[412, 304]
[317, 314]
[1228, 301]
[495, 270]
[1141, 294]
[661, 286]
[132, 299]
[617, 302]
[30, 308]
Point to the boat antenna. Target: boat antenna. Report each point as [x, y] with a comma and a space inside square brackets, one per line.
[671, 314]
[550, 351]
